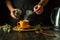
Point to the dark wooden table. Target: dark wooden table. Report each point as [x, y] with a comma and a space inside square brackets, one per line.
[20, 36]
[30, 35]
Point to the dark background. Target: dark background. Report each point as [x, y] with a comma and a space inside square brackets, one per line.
[4, 12]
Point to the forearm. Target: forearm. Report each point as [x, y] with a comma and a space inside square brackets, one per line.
[43, 2]
[9, 5]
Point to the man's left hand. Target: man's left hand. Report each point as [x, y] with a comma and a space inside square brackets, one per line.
[38, 9]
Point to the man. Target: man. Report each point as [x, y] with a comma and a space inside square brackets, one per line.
[36, 6]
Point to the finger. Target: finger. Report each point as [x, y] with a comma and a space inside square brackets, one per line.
[38, 7]
[35, 10]
[39, 12]
[13, 16]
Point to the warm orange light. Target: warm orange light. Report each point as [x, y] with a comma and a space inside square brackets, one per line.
[23, 24]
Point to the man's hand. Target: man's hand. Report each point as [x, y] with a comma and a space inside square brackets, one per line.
[38, 9]
[13, 15]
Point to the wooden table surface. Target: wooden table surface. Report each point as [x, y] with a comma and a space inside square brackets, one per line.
[29, 35]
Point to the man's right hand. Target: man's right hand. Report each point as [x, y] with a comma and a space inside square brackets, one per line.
[12, 12]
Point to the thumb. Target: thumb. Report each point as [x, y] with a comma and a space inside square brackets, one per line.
[12, 15]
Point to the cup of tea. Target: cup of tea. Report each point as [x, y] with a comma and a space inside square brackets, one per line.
[23, 24]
